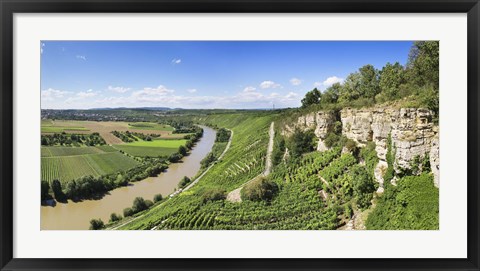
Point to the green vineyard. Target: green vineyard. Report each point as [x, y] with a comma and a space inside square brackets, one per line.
[70, 151]
[66, 168]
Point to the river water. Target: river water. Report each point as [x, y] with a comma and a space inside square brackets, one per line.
[77, 215]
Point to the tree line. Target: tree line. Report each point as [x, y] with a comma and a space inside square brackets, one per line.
[419, 79]
[64, 139]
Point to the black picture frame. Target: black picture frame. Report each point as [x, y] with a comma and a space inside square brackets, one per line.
[10, 7]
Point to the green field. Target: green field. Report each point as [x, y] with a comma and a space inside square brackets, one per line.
[150, 126]
[59, 129]
[152, 148]
[65, 168]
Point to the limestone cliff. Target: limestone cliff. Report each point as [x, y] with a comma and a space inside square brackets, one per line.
[411, 129]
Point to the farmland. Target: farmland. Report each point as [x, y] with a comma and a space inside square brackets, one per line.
[152, 148]
[68, 163]
[104, 128]
[70, 151]
[50, 126]
[150, 126]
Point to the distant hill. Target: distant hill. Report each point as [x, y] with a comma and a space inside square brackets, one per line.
[133, 108]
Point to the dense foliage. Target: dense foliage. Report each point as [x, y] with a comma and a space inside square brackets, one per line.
[259, 189]
[413, 204]
[96, 224]
[222, 135]
[128, 136]
[77, 140]
[418, 81]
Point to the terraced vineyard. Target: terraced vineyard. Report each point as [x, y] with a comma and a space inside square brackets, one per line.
[244, 160]
[72, 163]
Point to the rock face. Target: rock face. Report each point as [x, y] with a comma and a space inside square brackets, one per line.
[411, 129]
[320, 122]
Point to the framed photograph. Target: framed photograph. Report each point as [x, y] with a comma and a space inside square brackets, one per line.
[246, 135]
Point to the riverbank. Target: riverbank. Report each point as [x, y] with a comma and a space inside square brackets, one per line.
[76, 215]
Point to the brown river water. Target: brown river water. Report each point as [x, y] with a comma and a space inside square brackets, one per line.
[77, 215]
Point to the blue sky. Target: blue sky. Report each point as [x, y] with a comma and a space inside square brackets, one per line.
[200, 74]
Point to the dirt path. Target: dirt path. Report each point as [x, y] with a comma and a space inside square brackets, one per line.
[235, 196]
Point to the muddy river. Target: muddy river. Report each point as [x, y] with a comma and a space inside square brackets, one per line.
[77, 215]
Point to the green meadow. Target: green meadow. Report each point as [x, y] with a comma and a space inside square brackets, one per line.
[152, 148]
[150, 126]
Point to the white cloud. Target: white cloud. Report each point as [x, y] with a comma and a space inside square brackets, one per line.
[176, 61]
[269, 84]
[295, 81]
[86, 94]
[249, 89]
[328, 82]
[41, 47]
[118, 89]
[82, 95]
[150, 93]
[192, 90]
[84, 58]
[164, 96]
[51, 94]
[291, 95]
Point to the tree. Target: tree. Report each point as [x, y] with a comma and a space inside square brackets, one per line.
[175, 157]
[96, 224]
[330, 95]
[128, 212]
[301, 142]
[360, 85]
[363, 186]
[391, 77]
[369, 81]
[157, 198]
[45, 187]
[114, 217]
[182, 150]
[57, 190]
[351, 88]
[185, 180]
[311, 97]
[423, 63]
[259, 189]
[139, 205]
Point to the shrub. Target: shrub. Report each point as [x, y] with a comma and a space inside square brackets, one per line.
[45, 187]
[182, 150]
[114, 217]
[184, 182]
[96, 224]
[139, 205]
[214, 194]
[57, 190]
[175, 157]
[157, 198]
[259, 189]
[128, 212]
[148, 203]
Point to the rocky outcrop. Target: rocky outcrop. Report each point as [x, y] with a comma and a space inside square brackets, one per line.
[411, 130]
[320, 122]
